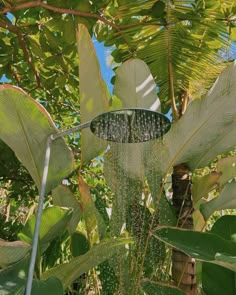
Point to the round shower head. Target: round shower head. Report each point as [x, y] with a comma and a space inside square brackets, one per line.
[130, 125]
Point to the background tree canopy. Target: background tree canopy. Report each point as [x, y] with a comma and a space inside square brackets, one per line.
[178, 48]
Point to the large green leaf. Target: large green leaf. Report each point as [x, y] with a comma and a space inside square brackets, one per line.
[226, 200]
[203, 185]
[94, 97]
[79, 244]
[93, 219]
[206, 129]
[13, 278]
[135, 86]
[228, 168]
[25, 127]
[185, 55]
[154, 288]
[217, 280]
[11, 252]
[68, 272]
[50, 286]
[53, 223]
[13, 281]
[226, 171]
[206, 247]
[63, 197]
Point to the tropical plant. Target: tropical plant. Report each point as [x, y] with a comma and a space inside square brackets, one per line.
[186, 44]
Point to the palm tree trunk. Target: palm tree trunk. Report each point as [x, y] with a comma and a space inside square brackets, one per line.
[183, 266]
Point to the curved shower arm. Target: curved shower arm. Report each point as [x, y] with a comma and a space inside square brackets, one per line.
[71, 130]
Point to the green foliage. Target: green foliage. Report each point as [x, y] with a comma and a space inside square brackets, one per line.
[53, 224]
[203, 185]
[79, 244]
[189, 140]
[19, 191]
[185, 35]
[47, 287]
[9, 229]
[226, 200]
[68, 272]
[155, 288]
[94, 97]
[135, 86]
[25, 126]
[217, 279]
[13, 280]
[94, 223]
[208, 247]
[227, 167]
[9, 163]
[57, 252]
[182, 46]
[11, 252]
[158, 9]
[63, 197]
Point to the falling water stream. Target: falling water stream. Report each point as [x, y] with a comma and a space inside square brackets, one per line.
[133, 131]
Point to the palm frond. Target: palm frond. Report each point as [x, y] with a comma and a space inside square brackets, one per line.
[192, 36]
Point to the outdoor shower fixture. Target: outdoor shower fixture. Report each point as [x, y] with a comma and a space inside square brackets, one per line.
[132, 125]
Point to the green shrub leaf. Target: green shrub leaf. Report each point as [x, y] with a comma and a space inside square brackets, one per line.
[12, 252]
[79, 244]
[53, 224]
[152, 288]
[68, 272]
[25, 127]
[94, 97]
[217, 280]
[13, 281]
[226, 200]
[206, 247]
[206, 130]
[63, 197]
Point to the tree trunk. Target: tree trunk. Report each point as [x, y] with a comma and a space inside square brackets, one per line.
[183, 266]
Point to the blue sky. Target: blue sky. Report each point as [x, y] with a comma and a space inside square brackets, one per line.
[3, 79]
[104, 57]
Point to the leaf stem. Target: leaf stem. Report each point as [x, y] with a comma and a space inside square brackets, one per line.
[175, 111]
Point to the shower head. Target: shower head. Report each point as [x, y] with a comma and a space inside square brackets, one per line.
[130, 125]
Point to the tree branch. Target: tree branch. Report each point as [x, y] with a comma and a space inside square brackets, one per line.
[15, 29]
[62, 11]
[20, 6]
